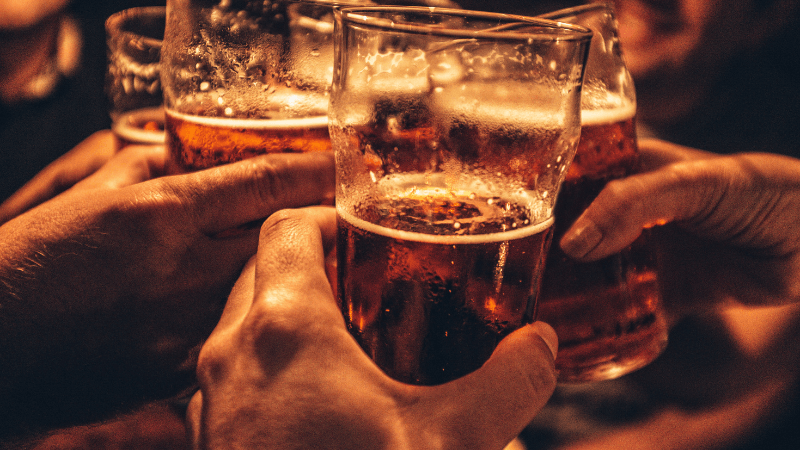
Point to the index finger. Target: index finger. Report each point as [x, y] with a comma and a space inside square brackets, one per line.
[677, 182]
[655, 153]
[232, 195]
[625, 207]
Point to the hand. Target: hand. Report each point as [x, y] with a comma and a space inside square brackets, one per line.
[75, 165]
[733, 226]
[108, 289]
[282, 371]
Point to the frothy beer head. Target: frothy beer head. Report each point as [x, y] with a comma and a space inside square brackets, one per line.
[141, 126]
[233, 123]
[607, 147]
[594, 117]
[447, 215]
[512, 142]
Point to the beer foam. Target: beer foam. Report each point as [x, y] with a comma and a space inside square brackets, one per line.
[123, 127]
[445, 239]
[509, 116]
[253, 124]
[513, 105]
[605, 116]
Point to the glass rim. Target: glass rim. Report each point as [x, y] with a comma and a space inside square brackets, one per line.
[332, 3]
[575, 10]
[560, 31]
[115, 23]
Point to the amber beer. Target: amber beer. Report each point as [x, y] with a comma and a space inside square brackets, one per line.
[437, 264]
[200, 142]
[607, 314]
[431, 281]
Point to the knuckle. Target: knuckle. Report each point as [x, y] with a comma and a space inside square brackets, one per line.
[290, 234]
[211, 363]
[282, 218]
[274, 335]
[269, 180]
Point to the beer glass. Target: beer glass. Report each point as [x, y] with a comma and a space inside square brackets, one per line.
[246, 78]
[452, 132]
[607, 314]
[133, 87]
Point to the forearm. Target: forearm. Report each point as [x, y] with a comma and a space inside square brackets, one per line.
[70, 351]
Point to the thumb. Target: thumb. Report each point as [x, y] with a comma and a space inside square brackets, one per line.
[505, 394]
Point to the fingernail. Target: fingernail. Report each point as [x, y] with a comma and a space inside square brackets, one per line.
[548, 335]
[582, 238]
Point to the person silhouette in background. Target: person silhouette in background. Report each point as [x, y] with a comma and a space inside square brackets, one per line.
[52, 69]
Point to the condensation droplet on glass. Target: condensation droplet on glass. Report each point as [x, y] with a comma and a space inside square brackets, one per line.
[456, 225]
[205, 85]
[553, 65]
[220, 100]
[558, 160]
[228, 111]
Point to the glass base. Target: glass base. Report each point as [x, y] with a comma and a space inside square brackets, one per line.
[611, 366]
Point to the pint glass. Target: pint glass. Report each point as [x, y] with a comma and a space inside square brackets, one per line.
[133, 86]
[607, 314]
[452, 132]
[246, 78]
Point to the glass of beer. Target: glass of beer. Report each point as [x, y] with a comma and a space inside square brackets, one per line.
[607, 314]
[244, 78]
[133, 87]
[452, 132]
